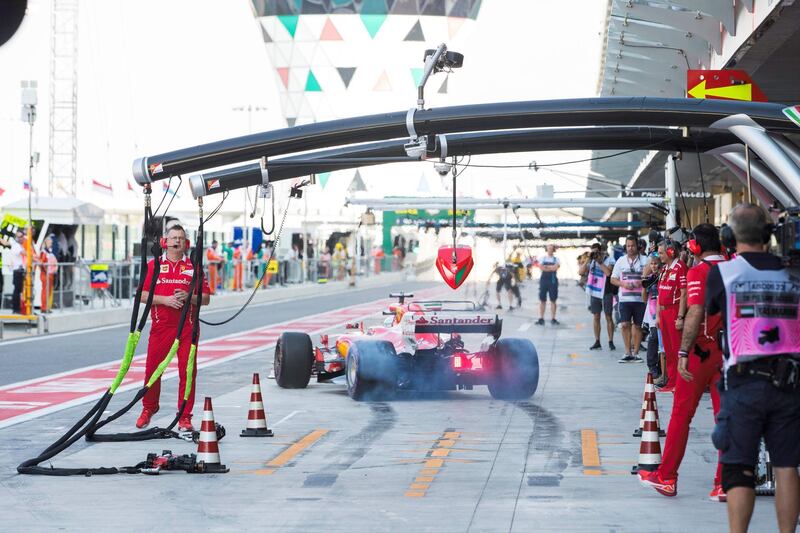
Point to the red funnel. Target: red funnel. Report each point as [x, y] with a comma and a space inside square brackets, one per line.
[454, 272]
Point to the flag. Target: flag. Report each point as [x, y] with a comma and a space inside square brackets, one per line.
[357, 184]
[101, 187]
[2, 190]
[131, 188]
[26, 185]
[488, 193]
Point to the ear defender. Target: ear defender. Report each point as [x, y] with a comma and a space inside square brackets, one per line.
[726, 237]
[163, 243]
[769, 229]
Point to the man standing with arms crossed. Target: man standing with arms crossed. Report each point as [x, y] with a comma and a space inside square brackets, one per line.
[699, 365]
[172, 292]
[759, 299]
[627, 275]
[548, 284]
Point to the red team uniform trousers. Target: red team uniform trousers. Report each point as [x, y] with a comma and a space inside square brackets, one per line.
[706, 373]
[164, 328]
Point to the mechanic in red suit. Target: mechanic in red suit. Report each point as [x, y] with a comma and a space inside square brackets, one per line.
[671, 308]
[699, 365]
[173, 291]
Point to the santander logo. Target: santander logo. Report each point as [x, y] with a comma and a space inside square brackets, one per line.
[437, 320]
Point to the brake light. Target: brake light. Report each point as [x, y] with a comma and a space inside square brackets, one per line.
[461, 362]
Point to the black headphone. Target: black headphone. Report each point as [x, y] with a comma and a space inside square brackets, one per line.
[673, 247]
[728, 239]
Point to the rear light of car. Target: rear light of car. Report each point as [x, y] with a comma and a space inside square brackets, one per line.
[461, 362]
[318, 355]
[477, 362]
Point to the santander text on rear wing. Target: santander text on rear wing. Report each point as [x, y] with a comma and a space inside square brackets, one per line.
[457, 323]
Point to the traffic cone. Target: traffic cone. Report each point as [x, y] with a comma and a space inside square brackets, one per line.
[650, 446]
[649, 392]
[256, 418]
[208, 447]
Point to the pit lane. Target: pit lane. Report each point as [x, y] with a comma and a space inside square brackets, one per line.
[450, 461]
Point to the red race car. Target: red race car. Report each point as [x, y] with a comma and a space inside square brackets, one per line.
[420, 346]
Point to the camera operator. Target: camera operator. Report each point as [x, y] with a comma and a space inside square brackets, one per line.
[598, 268]
[699, 365]
[758, 299]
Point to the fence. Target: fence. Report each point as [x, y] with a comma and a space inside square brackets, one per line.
[72, 287]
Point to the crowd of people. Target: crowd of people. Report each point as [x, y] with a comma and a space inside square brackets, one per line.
[43, 260]
[718, 315]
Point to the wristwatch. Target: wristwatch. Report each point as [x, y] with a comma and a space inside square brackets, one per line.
[681, 353]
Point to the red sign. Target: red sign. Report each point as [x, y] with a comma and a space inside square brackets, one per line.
[728, 84]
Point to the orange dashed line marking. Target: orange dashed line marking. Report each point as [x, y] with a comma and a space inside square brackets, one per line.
[427, 475]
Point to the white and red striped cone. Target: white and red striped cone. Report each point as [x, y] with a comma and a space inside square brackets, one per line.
[256, 417]
[650, 446]
[649, 393]
[207, 446]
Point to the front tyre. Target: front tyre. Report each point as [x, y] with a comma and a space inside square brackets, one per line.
[371, 370]
[294, 358]
[515, 370]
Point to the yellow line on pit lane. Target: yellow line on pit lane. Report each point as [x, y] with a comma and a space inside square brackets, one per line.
[590, 453]
[289, 453]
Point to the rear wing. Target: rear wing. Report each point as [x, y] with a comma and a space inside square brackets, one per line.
[458, 323]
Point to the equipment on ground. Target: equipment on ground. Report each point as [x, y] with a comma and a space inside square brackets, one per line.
[421, 346]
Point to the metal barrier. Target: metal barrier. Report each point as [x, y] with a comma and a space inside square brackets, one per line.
[73, 291]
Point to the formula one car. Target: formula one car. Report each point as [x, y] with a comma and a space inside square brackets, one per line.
[420, 346]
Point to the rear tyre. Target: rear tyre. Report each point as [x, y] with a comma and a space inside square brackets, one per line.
[516, 370]
[294, 358]
[371, 370]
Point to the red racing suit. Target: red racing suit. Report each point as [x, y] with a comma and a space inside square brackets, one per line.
[669, 298]
[164, 327]
[705, 364]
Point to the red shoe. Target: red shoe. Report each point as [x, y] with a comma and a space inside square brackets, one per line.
[718, 495]
[144, 418]
[667, 388]
[185, 423]
[667, 487]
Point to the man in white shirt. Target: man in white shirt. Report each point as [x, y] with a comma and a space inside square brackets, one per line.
[16, 263]
[627, 275]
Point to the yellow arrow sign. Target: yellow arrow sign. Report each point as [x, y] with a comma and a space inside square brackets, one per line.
[734, 92]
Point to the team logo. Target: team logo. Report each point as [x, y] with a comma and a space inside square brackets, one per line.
[156, 168]
[188, 272]
[436, 320]
[164, 268]
[212, 184]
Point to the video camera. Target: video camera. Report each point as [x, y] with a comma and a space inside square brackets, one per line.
[787, 233]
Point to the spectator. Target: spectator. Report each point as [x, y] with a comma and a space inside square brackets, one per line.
[505, 281]
[598, 268]
[4, 243]
[48, 266]
[548, 284]
[627, 275]
[17, 265]
[655, 348]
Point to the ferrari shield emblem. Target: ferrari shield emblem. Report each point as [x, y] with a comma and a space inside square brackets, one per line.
[454, 264]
